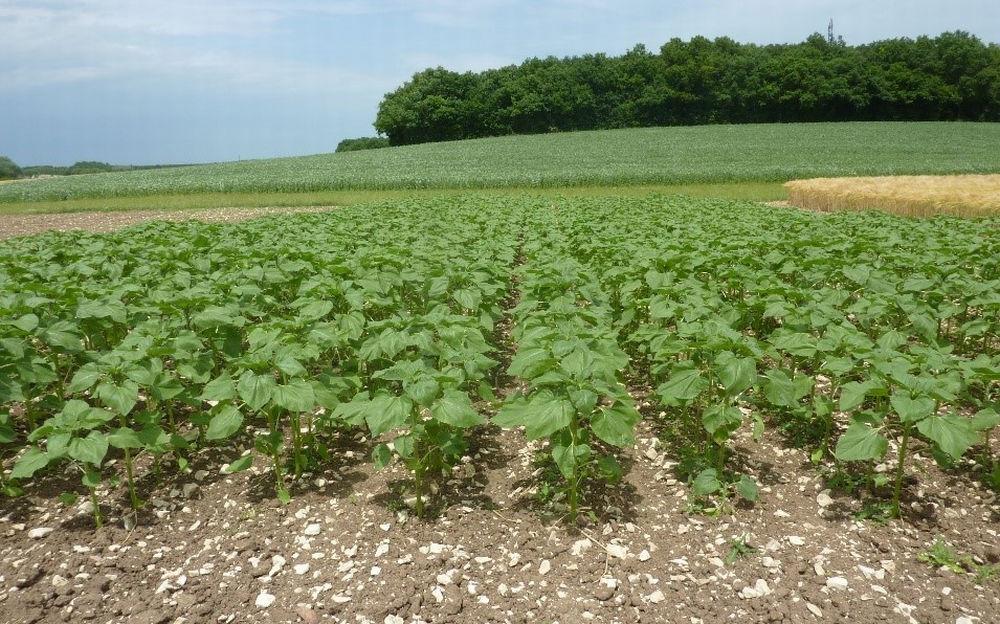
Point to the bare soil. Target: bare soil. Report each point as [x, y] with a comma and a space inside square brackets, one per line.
[26, 224]
[217, 548]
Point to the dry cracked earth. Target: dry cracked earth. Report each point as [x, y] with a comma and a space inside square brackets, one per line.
[218, 548]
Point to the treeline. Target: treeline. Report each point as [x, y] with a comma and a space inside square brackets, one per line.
[954, 76]
[362, 143]
[9, 170]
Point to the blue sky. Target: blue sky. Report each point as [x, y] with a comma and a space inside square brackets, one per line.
[155, 81]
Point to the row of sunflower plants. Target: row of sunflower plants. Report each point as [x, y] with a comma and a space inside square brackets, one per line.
[570, 362]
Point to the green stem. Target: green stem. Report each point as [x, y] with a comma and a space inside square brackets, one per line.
[128, 470]
[901, 458]
[98, 520]
[418, 484]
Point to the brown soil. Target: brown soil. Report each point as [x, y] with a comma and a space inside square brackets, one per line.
[209, 547]
[26, 224]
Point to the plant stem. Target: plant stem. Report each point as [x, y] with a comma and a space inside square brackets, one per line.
[901, 458]
[418, 488]
[128, 471]
[98, 520]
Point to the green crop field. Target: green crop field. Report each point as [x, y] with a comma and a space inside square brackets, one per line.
[169, 338]
[646, 156]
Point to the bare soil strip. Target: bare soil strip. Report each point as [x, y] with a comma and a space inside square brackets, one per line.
[28, 224]
[219, 548]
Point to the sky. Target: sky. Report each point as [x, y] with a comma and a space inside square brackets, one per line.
[179, 81]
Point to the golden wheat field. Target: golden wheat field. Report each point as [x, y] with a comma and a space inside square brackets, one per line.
[963, 195]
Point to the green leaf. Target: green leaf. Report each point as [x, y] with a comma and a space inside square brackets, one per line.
[381, 455]
[240, 464]
[911, 410]
[547, 417]
[226, 421]
[706, 482]
[219, 389]
[564, 459]
[26, 323]
[785, 391]
[852, 395]
[531, 363]
[83, 379]
[986, 419]
[91, 479]
[736, 374]
[721, 421]
[296, 396]
[616, 424]
[121, 398]
[33, 460]
[385, 413]
[861, 443]
[423, 391]
[609, 469]
[953, 434]
[747, 488]
[256, 390]
[315, 310]
[90, 450]
[683, 385]
[124, 438]
[455, 408]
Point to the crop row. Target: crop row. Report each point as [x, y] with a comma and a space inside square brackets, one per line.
[267, 340]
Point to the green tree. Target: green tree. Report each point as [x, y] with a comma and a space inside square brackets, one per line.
[9, 169]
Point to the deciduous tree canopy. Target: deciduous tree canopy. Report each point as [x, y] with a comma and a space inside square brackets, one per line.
[954, 76]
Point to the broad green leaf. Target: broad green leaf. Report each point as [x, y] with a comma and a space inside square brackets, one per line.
[240, 464]
[315, 310]
[747, 488]
[295, 396]
[381, 455]
[219, 389]
[547, 417]
[26, 323]
[225, 422]
[852, 395]
[986, 419]
[385, 413]
[33, 460]
[684, 385]
[861, 443]
[256, 390]
[609, 469]
[616, 424]
[119, 397]
[124, 438]
[89, 450]
[84, 379]
[721, 420]
[953, 434]
[706, 482]
[455, 408]
[910, 409]
[785, 391]
[736, 374]
[530, 363]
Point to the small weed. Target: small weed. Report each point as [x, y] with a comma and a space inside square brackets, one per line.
[739, 548]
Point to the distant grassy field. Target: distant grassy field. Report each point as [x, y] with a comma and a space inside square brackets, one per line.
[644, 156]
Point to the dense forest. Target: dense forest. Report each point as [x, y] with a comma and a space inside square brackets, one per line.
[954, 76]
